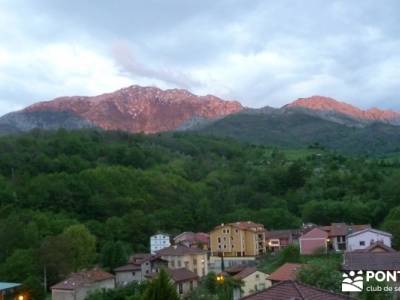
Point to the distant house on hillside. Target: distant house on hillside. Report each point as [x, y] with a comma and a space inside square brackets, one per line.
[313, 241]
[179, 256]
[183, 279]
[367, 237]
[238, 239]
[191, 239]
[278, 239]
[337, 233]
[252, 279]
[81, 284]
[287, 271]
[159, 241]
[138, 267]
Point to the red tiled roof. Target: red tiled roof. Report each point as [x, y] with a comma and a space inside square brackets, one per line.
[235, 269]
[178, 275]
[287, 271]
[293, 290]
[342, 229]
[179, 250]
[371, 261]
[245, 272]
[244, 225]
[81, 278]
[315, 234]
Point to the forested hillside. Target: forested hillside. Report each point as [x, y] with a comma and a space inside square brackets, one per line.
[299, 128]
[69, 199]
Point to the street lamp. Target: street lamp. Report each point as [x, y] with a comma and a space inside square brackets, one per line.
[220, 278]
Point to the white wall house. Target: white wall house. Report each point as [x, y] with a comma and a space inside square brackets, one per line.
[159, 241]
[363, 239]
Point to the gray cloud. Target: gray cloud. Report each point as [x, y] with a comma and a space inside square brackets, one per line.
[129, 65]
[259, 52]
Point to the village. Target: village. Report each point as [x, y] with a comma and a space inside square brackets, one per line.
[235, 250]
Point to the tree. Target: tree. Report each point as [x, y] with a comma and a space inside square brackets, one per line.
[82, 246]
[161, 288]
[22, 266]
[321, 273]
[392, 225]
[56, 256]
[113, 254]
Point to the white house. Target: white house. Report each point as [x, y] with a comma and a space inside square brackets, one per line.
[159, 241]
[363, 239]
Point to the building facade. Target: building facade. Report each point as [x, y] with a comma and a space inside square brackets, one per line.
[365, 238]
[138, 267]
[79, 285]
[313, 241]
[159, 241]
[338, 232]
[179, 256]
[238, 239]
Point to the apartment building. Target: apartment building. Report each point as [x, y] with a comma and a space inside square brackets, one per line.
[238, 239]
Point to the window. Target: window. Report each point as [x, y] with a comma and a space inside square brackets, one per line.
[180, 287]
[257, 276]
[194, 260]
[219, 240]
[172, 263]
[236, 230]
[186, 264]
[179, 263]
[191, 285]
[362, 243]
[133, 273]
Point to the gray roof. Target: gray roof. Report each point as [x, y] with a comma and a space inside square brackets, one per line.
[371, 261]
[370, 229]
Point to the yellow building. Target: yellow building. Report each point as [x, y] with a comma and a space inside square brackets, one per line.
[238, 239]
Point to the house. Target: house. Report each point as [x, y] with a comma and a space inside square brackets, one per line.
[138, 267]
[12, 291]
[238, 239]
[79, 285]
[278, 239]
[337, 233]
[179, 256]
[183, 279]
[377, 257]
[287, 271]
[252, 279]
[158, 242]
[367, 237]
[290, 290]
[313, 241]
[191, 239]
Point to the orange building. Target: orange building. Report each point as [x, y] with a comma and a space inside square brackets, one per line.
[238, 239]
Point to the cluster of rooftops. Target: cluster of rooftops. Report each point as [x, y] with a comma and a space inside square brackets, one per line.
[189, 257]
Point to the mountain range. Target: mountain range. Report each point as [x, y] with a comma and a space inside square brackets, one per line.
[316, 120]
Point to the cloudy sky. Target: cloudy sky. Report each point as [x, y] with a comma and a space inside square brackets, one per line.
[259, 52]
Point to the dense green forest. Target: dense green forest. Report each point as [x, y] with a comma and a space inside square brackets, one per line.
[69, 199]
